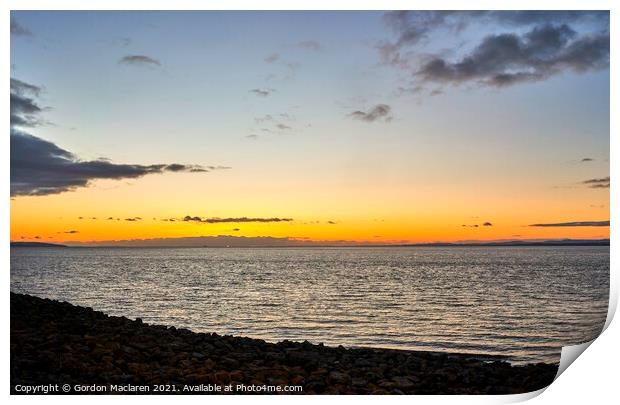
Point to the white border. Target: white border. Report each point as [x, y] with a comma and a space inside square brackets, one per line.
[592, 378]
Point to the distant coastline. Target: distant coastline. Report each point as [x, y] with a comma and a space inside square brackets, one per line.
[36, 244]
[158, 243]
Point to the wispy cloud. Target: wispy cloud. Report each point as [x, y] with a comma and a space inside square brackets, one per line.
[587, 159]
[580, 223]
[139, 60]
[272, 57]
[190, 218]
[603, 182]
[262, 92]
[381, 112]
[19, 87]
[264, 118]
[18, 30]
[24, 108]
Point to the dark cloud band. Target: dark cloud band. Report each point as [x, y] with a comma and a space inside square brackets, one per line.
[581, 223]
[190, 218]
[39, 167]
[603, 182]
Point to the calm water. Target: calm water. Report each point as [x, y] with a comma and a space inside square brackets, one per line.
[521, 302]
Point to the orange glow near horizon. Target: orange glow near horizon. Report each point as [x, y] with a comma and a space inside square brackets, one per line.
[401, 215]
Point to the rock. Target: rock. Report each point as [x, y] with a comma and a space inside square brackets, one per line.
[298, 380]
[236, 375]
[403, 383]
[229, 362]
[208, 364]
[336, 377]
[222, 377]
[198, 356]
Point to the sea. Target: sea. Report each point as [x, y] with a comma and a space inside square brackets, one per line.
[523, 303]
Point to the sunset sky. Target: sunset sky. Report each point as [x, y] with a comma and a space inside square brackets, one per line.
[323, 126]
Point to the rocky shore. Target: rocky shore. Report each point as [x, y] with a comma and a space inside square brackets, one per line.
[73, 349]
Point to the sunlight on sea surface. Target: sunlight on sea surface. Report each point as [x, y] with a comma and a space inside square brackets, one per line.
[521, 302]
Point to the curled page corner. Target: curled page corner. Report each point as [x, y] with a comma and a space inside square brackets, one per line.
[516, 398]
[569, 355]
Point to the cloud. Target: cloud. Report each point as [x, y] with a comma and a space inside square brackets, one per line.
[506, 59]
[24, 108]
[529, 17]
[134, 219]
[470, 226]
[72, 231]
[587, 160]
[310, 45]
[236, 229]
[264, 118]
[139, 60]
[580, 223]
[543, 44]
[189, 218]
[19, 87]
[39, 167]
[412, 27]
[262, 92]
[272, 123]
[381, 112]
[331, 222]
[487, 224]
[272, 58]
[18, 30]
[603, 182]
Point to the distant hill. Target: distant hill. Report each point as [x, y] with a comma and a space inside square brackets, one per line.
[35, 244]
[552, 242]
[225, 241]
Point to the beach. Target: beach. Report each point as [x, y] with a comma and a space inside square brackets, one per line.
[56, 344]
